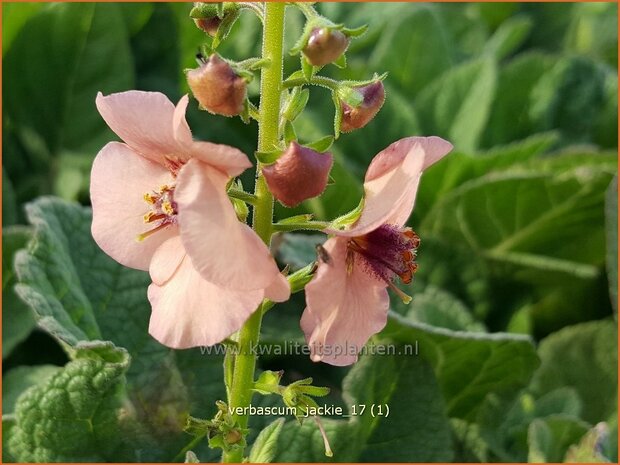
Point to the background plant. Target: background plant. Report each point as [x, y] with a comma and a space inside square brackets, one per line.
[519, 232]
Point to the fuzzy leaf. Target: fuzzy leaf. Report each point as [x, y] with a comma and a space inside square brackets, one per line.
[265, 446]
[72, 417]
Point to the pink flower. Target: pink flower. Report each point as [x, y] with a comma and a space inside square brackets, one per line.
[160, 204]
[347, 300]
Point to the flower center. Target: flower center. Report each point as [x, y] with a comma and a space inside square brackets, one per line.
[387, 252]
[162, 210]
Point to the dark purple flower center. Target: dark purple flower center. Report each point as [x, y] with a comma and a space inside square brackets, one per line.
[387, 252]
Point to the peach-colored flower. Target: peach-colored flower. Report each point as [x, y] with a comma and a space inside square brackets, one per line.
[347, 300]
[160, 204]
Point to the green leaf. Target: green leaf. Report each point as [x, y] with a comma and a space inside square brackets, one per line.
[584, 357]
[436, 307]
[341, 62]
[17, 319]
[355, 32]
[605, 134]
[508, 37]
[495, 13]
[457, 106]
[77, 407]
[155, 50]
[63, 55]
[8, 428]
[509, 118]
[504, 420]
[569, 97]
[468, 366]
[416, 430]
[289, 132]
[296, 103]
[265, 446]
[593, 31]
[538, 239]
[550, 438]
[17, 380]
[10, 212]
[14, 16]
[321, 145]
[611, 226]
[413, 48]
[459, 167]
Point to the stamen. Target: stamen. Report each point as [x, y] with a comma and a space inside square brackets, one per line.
[162, 209]
[328, 449]
[406, 277]
[167, 208]
[404, 297]
[349, 261]
[150, 198]
[144, 235]
[152, 216]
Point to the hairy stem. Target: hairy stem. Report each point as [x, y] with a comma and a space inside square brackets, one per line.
[321, 81]
[269, 116]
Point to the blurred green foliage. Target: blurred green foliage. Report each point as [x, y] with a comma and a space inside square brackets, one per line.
[512, 310]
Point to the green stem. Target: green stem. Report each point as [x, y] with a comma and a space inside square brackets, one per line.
[305, 226]
[242, 195]
[308, 11]
[268, 135]
[322, 81]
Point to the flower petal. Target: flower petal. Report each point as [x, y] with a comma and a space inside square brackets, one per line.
[119, 179]
[182, 132]
[343, 310]
[227, 159]
[279, 290]
[225, 251]
[392, 182]
[166, 260]
[189, 311]
[147, 122]
[434, 148]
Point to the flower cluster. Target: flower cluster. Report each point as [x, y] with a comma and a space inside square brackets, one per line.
[160, 204]
[167, 204]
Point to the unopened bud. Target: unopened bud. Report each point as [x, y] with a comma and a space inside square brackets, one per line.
[208, 25]
[233, 436]
[325, 45]
[217, 87]
[355, 117]
[299, 174]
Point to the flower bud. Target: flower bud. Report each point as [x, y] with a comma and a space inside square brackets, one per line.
[209, 17]
[233, 436]
[325, 45]
[208, 25]
[355, 117]
[299, 174]
[217, 87]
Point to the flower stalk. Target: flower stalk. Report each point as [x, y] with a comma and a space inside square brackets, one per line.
[268, 136]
